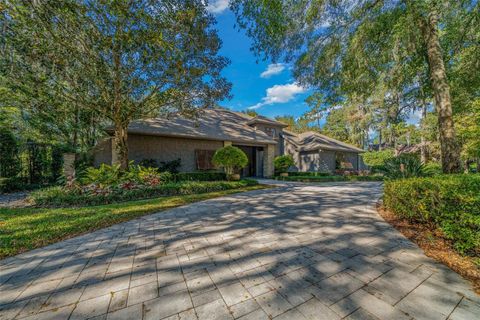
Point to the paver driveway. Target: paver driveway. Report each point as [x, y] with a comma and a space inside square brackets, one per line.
[294, 252]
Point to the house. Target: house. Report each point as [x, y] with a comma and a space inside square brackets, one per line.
[194, 141]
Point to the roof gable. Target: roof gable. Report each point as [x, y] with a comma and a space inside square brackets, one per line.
[309, 141]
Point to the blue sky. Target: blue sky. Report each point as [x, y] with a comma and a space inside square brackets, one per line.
[268, 88]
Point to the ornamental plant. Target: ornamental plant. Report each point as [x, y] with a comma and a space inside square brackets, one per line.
[230, 158]
[403, 166]
[282, 163]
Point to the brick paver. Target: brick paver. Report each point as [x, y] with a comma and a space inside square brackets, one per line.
[294, 252]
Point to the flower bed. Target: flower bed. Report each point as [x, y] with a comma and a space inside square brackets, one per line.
[108, 184]
[449, 202]
[58, 196]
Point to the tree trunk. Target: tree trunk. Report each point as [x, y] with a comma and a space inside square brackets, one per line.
[380, 140]
[423, 141]
[121, 147]
[441, 90]
[121, 136]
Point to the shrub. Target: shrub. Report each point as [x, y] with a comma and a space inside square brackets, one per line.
[450, 202]
[11, 184]
[200, 176]
[432, 169]
[330, 178]
[309, 174]
[14, 184]
[230, 158]
[170, 166]
[403, 166]
[105, 175]
[57, 196]
[56, 165]
[149, 163]
[9, 152]
[376, 159]
[282, 163]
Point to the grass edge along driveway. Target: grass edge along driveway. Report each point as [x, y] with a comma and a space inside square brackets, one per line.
[24, 229]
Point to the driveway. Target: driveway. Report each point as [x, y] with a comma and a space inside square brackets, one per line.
[294, 252]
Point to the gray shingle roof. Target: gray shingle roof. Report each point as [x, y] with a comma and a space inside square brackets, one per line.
[211, 124]
[310, 141]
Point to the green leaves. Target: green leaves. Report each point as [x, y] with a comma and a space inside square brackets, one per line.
[80, 64]
[282, 163]
[450, 202]
[230, 158]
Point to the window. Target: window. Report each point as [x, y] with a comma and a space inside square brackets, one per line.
[204, 159]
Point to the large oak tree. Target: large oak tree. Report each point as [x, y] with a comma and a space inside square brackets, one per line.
[349, 48]
[121, 59]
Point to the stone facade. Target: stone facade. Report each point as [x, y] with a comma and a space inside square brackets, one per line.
[268, 156]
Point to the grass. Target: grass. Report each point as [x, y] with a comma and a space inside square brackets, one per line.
[24, 229]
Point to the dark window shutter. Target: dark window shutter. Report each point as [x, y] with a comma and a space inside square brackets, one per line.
[204, 159]
[209, 158]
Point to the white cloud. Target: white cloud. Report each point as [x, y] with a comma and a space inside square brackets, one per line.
[217, 6]
[273, 69]
[279, 93]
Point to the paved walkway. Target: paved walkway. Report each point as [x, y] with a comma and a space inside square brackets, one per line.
[13, 200]
[295, 252]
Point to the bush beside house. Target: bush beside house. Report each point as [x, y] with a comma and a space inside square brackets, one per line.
[231, 159]
[283, 163]
[449, 202]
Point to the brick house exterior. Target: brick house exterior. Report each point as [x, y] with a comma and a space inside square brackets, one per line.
[259, 137]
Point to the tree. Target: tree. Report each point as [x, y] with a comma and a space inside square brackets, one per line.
[123, 60]
[251, 113]
[282, 163]
[340, 48]
[231, 159]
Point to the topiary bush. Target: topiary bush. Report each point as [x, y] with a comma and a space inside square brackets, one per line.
[282, 163]
[230, 158]
[450, 202]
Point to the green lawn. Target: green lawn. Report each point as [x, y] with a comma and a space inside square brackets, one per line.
[28, 228]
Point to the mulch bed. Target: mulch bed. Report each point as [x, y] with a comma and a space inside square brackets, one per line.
[434, 244]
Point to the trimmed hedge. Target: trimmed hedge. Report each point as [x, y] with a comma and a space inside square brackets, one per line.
[200, 176]
[330, 178]
[450, 202]
[57, 196]
[308, 174]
